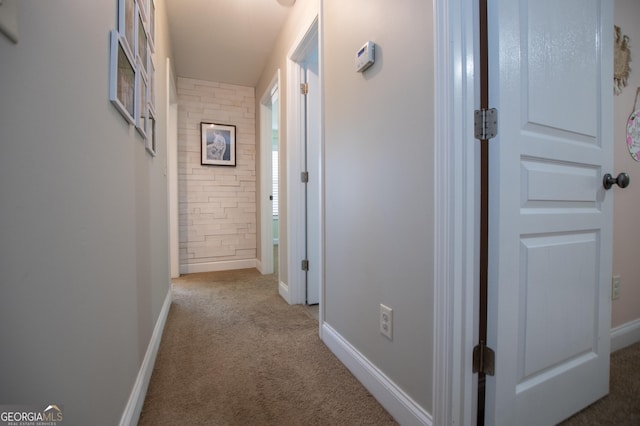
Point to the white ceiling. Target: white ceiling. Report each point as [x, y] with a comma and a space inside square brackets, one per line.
[226, 41]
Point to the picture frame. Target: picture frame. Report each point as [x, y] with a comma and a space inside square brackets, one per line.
[122, 78]
[151, 26]
[218, 144]
[142, 110]
[150, 143]
[142, 43]
[151, 77]
[143, 7]
[126, 24]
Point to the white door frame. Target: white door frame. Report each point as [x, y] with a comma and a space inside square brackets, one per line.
[456, 227]
[172, 171]
[265, 263]
[295, 291]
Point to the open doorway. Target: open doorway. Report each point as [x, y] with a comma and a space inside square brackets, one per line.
[275, 153]
[269, 177]
[304, 178]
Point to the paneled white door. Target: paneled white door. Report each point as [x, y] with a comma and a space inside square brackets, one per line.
[550, 219]
[313, 238]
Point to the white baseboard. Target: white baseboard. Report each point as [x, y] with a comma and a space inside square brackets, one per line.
[132, 411]
[259, 267]
[625, 335]
[192, 268]
[404, 409]
[283, 289]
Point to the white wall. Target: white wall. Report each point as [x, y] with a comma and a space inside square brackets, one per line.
[378, 173]
[83, 216]
[217, 203]
[378, 185]
[301, 15]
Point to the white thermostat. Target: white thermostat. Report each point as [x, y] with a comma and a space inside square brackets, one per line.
[366, 56]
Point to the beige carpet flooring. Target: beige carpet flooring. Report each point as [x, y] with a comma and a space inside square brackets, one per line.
[234, 353]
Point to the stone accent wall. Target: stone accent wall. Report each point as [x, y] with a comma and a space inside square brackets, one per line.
[217, 203]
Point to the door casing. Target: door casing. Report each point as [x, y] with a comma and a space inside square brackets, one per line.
[265, 263]
[294, 292]
[172, 171]
[456, 227]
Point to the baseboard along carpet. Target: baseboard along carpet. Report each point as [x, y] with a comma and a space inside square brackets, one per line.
[234, 353]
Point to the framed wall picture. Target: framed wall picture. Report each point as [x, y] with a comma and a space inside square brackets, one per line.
[151, 77]
[141, 113]
[218, 144]
[127, 22]
[152, 25]
[150, 144]
[142, 50]
[143, 6]
[122, 78]
[9, 20]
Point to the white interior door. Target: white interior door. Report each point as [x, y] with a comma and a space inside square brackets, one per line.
[303, 155]
[313, 167]
[550, 218]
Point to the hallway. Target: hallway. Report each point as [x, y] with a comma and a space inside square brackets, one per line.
[234, 353]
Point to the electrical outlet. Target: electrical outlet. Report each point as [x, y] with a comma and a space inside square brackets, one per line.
[615, 287]
[386, 321]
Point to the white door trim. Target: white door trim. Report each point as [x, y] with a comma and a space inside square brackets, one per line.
[321, 228]
[265, 263]
[456, 183]
[295, 193]
[172, 171]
